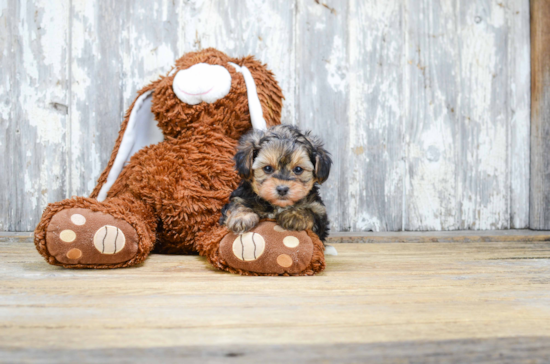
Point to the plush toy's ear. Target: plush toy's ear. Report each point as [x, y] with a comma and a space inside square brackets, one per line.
[138, 131]
[269, 92]
[246, 152]
[321, 158]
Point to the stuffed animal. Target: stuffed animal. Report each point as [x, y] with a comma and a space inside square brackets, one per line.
[171, 172]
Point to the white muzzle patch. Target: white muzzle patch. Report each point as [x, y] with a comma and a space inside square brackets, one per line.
[202, 82]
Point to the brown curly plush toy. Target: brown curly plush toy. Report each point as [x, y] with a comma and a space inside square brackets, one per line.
[170, 173]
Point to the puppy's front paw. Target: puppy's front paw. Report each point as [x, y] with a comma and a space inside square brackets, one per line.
[241, 222]
[294, 220]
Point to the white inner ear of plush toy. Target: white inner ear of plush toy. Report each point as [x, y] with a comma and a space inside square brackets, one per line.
[141, 131]
[254, 105]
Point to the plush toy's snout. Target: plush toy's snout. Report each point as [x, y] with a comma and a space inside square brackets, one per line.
[202, 82]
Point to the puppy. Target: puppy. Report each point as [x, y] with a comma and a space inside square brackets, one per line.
[281, 170]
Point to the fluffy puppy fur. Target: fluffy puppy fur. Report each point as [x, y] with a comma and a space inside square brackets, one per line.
[281, 170]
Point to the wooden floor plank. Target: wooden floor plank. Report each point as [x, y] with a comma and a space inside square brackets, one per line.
[373, 301]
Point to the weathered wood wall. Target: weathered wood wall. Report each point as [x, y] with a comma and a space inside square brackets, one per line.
[424, 104]
[540, 115]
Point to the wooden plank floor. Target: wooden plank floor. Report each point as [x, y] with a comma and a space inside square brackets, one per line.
[392, 302]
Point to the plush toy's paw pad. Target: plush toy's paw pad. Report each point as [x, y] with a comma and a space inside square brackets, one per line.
[82, 236]
[268, 249]
[248, 246]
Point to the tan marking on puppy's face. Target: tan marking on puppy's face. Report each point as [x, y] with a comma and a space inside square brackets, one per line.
[282, 165]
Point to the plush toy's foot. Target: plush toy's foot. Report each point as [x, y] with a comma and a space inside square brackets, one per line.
[79, 236]
[268, 249]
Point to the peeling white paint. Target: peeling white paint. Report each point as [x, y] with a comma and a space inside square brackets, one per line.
[5, 105]
[54, 12]
[30, 191]
[140, 68]
[39, 124]
[366, 222]
[432, 184]
[95, 168]
[28, 30]
[336, 65]
[48, 123]
[357, 137]
[37, 100]
[160, 58]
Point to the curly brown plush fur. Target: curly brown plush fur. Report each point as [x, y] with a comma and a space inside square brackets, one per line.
[172, 192]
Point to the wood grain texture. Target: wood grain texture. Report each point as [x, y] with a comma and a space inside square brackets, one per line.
[431, 82]
[540, 115]
[372, 155]
[423, 104]
[519, 130]
[468, 134]
[97, 79]
[444, 301]
[33, 113]
[322, 84]
[431, 142]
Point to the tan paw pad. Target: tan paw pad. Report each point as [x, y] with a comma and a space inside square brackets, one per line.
[74, 253]
[78, 219]
[109, 240]
[291, 242]
[284, 260]
[248, 246]
[279, 229]
[67, 236]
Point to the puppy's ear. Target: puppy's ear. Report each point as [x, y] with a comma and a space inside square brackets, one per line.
[248, 147]
[320, 157]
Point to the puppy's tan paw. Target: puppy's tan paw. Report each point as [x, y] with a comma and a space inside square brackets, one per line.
[241, 222]
[294, 220]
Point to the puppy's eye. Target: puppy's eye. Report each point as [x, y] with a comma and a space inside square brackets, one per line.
[268, 169]
[298, 170]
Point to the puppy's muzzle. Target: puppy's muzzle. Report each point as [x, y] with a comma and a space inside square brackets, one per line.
[282, 190]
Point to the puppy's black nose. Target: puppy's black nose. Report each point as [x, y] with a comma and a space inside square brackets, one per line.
[282, 190]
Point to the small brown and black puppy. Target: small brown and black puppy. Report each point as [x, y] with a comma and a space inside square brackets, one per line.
[281, 170]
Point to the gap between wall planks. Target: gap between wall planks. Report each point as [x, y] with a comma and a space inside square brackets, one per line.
[424, 105]
[540, 115]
